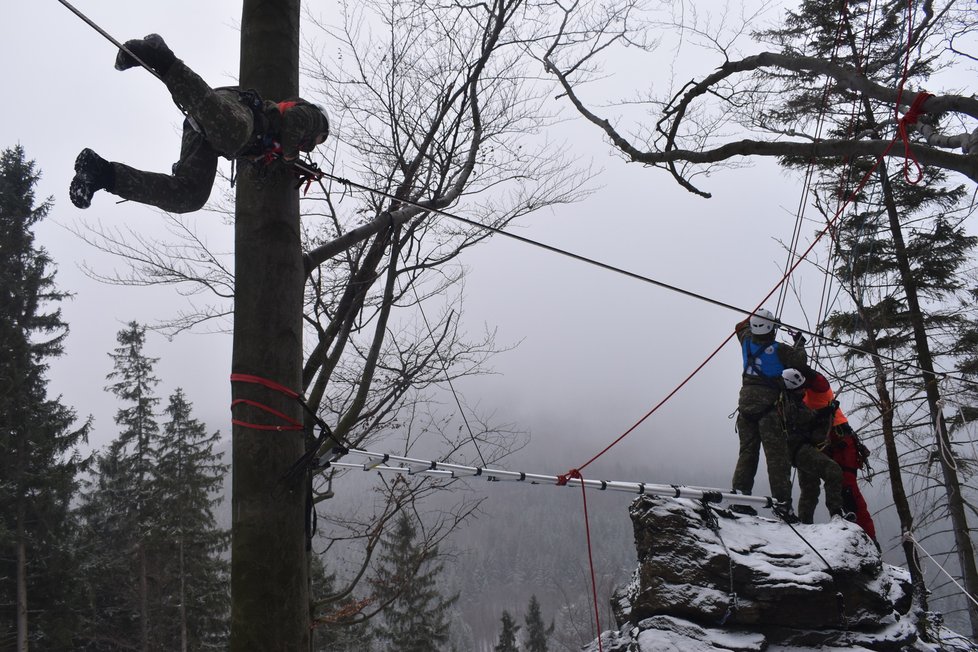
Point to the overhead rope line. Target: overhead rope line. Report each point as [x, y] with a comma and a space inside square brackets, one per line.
[911, 117]
[91, 23]
[908, 536]
[309, 170]
[810, 169]
[109, 37]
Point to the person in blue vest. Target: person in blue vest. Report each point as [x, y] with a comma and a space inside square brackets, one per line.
[758, 423]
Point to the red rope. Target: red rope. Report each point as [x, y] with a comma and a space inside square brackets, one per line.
[561, 481]
[828, 225]
[291, 424]
[910, 118]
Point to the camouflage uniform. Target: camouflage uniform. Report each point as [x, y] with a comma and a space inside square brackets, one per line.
[226, 128]
[758, 422]
[807, 431]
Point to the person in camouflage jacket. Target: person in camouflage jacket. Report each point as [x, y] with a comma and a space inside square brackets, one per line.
[848, 452]
[758, 424]
[224, 122]
[806, 432]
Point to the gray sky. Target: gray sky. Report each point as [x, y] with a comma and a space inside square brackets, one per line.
[598, 350]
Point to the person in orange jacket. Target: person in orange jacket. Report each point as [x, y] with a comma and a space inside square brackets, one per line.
[844, 447]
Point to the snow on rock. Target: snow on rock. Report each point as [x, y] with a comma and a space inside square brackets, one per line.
[713, 580]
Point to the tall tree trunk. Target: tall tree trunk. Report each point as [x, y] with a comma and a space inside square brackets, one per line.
[183, 596]
[22, 645]
[952, 486]
[269, 587]
[897, 489]
[143, 596]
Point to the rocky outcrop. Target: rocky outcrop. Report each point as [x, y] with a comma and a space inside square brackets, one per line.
[708, 579]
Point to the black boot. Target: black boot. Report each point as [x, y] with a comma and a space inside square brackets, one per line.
[743, 509]
[92, 173]
[151, 50]
[784, 511]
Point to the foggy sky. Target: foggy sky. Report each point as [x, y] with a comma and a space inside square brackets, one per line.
[596, 350]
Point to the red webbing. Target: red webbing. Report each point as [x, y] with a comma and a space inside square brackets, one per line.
[290, 423]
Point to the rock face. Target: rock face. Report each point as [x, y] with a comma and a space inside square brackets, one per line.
[711, 580]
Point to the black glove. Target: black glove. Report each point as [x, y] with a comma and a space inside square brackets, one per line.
[798, 337]
[828, 409]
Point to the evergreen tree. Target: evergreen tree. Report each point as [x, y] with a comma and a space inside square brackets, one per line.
[507, 635]
[537, 633]
[192, 576]
[111, 615]
[901, 256]
[342, 628]
[120, 514]
[134, 384]
[39, 460]
[415, 618]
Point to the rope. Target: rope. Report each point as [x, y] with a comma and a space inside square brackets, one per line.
[910, 118]
[714, 524]
[908, 536]
[122, 47]
[305, 166]
[810, 170]
[108, 36]
[576, 474]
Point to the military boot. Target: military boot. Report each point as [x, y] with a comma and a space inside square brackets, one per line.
[92, 173]
[784, 511]
[150, 50]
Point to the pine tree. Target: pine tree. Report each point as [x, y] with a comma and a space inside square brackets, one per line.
[507, 635]
[416, 616]
[121, 517]
[537, 633]
[343, 628]
[901, 255]
[39, 460]
[111, 615]
[193, 577]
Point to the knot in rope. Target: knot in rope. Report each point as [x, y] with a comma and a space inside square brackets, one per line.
[573, 474]
[910, 118]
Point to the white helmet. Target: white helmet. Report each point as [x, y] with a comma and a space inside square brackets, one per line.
[793, 379]
[762, 322]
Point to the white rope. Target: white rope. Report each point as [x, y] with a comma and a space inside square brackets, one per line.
[908, 536]
[387, 463]
[946, 455]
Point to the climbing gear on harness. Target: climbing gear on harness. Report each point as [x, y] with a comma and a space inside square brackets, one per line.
[151, 50]
[762, 322]
[92, 173]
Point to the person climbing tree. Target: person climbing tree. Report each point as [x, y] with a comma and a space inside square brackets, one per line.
[844, 447]
[764, 358]
[225, 122]
[806, 432]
